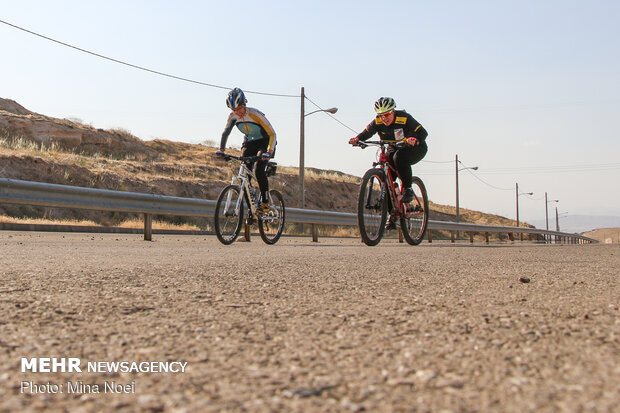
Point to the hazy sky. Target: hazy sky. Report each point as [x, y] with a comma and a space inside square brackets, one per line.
[528, 91]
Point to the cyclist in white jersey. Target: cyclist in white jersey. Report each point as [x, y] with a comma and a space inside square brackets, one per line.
[259, 138]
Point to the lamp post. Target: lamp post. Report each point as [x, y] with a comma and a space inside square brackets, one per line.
[547, 211]
[517, 196]
[456, 163]
[557, 218]
[302, 133]
[557, 224]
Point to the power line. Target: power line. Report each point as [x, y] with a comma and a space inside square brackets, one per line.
[486, 183]
[425, 161]
[332, 116]
[140, 67]
[539, 170]
[556, 168]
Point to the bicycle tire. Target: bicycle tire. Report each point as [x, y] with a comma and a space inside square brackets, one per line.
[228, 223]
[414, 222]
[372, 206]
[269, 232]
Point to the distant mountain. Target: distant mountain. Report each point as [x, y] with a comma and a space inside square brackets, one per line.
[580, 223]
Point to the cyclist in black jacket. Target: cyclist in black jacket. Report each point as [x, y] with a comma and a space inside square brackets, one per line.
[397, 125]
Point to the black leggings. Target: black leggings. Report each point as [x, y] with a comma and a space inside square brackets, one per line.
[404, 157]
[257, 148]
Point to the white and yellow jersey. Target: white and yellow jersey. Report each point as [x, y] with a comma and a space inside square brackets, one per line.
[254, 125]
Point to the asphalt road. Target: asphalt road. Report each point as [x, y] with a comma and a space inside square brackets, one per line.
[302, 326]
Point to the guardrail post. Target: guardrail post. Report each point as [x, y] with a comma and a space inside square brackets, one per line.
[486, 236]
[430, 237]
[510, 237]
[400, 235]
[471, 237]
[148, 227]
[247, 232]
[452, 236]
[315, 233]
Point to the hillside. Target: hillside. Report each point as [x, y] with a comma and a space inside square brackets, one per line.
[605, 235]
[35, 147]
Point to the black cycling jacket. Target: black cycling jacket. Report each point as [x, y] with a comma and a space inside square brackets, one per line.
[404, 126]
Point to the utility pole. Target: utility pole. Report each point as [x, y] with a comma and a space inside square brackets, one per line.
[301, 149]
[517, 196]
[456, 168]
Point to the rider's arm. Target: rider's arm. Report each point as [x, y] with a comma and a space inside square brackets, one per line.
[370, 130]
[230, 123]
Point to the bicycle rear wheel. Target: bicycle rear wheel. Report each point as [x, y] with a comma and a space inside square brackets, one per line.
[271, 224]
[228, 218]
[372, 206]
[414, 222]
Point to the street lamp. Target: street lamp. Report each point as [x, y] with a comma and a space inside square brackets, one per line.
[517, 196]
[301, 143]
[557, 224]
[547, 212]
[456, 163]
[557, 219]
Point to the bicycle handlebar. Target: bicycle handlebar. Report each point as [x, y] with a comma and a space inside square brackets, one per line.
[250, 159]
[364, 144]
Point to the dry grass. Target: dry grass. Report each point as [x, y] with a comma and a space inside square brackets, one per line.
[314, 173]
[129, 223]
[44, 221]
[19, 143]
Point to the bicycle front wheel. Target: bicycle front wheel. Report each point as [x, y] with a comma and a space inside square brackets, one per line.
[271, 224]
[228, 214]
[372, 206]
[414, 220]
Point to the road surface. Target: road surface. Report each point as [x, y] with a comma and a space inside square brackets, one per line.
[302, 326]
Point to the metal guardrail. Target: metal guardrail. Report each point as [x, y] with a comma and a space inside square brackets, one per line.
[15, 191]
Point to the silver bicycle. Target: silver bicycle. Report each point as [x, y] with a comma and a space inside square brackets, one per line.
[229, 210]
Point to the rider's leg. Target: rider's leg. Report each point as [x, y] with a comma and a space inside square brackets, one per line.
[254, 148]
[257, 148]
[403, 159]
[261, 177]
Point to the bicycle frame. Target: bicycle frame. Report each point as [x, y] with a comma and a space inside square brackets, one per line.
[372, 207]
[386, 166]
[389, 169]
[243, 177]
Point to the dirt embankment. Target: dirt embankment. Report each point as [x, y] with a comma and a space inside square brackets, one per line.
[605, 235]
[39, 148]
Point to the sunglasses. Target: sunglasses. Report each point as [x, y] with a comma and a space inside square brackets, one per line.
[386, 114]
